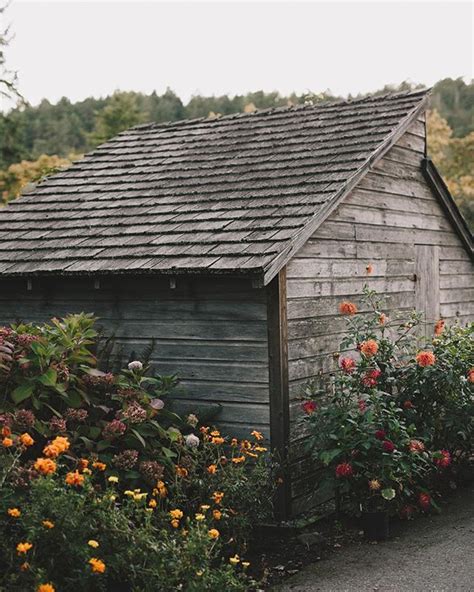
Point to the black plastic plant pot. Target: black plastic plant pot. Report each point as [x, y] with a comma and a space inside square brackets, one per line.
[376, 526]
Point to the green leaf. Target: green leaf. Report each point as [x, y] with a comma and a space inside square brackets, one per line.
[49, 378]
[139, 437]
[329, 455]
[22, 392]
[168, 453]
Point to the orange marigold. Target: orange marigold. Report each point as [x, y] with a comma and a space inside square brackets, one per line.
[211, 469]
[238, 459]
[347, 308]
[369, 348]
[100, 466]
[97, 565]
[26, 440]
[14, 512]
[216, 514]
[217, 496]
[257, 435]
[181, 471]
[75, 479]
[45, 588]
[7, 442]
[217, 440]
[45, 466]
[6, 431]
[425, 358]
[439, 327]
[23, 548]
[48, 524]
[213, 533]
[470, 375]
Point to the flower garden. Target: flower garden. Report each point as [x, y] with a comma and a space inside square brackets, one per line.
[104, 487]
[394, 429]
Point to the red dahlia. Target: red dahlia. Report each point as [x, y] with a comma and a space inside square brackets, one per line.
[344, 470]
[309, 407]
[424, 499]
[388, 446]
[443, 461]
[380, 434]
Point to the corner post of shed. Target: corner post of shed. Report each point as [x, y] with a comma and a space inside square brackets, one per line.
[279, 389]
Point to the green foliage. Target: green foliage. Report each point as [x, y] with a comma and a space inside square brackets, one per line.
[121, 112]
[138, 547]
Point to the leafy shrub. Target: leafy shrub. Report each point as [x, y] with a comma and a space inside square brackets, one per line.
[398, 411]
[51, 386]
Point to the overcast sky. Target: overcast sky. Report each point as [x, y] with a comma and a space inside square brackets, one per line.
[79, 49]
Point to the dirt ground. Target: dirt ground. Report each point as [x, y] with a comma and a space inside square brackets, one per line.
[431, 554]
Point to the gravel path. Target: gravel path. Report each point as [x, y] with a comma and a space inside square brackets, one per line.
[434, 554]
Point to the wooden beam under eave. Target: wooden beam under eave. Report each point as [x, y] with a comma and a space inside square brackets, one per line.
[279, 389]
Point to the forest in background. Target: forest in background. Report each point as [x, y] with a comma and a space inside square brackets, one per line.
[37, 140]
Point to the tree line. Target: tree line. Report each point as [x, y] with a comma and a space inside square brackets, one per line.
[36, 140]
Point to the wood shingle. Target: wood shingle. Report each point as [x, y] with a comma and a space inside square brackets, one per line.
[232, 194]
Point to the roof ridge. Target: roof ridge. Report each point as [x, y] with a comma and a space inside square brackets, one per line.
[281, 109]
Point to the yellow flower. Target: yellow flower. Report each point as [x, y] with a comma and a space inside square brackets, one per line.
[45, 466]
[176, 514]
[113, 479]
[211, 469]
[97, 565]
[48, 524]
[14, 512]
[175, 523]
[217, 514]
[92, 543]
[205, 507]
[152, 503]
[23, 547]
[217, 440]
[139, 496]
[215, 433]
[199, 573]
[260, 448]
[234, 560]
[374, 485]
[238, 459]
[245, 564]
[26, 440]
[213, 533]
[129, 493]
[217, 496]
[45, 588]
[100, 466]
[200, 517]
[257, 435]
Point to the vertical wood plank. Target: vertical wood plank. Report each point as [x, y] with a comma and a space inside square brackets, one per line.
[279, 390]
[427, 294]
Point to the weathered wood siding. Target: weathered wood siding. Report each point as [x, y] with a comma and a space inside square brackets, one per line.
[213, 333]
[393, 221]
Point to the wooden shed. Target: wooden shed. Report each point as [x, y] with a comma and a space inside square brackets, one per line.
[231, 241]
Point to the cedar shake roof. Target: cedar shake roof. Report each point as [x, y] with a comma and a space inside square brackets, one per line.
[235, 194]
